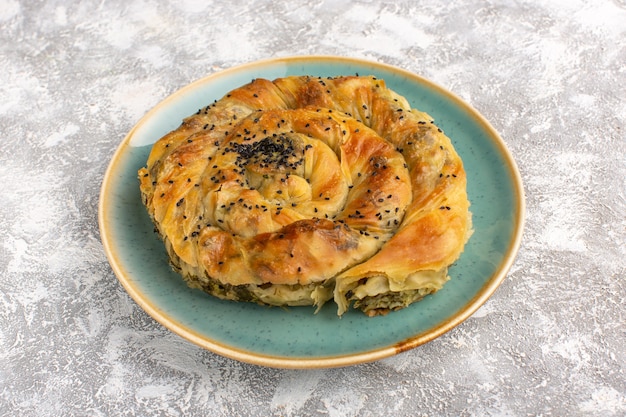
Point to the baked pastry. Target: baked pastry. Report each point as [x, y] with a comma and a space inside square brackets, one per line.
[300, 190]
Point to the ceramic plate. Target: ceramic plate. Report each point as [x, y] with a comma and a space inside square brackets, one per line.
[295, 337]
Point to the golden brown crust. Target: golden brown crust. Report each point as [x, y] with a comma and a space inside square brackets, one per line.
[305, 180]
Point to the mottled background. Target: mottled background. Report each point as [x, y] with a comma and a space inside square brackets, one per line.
[75, 76]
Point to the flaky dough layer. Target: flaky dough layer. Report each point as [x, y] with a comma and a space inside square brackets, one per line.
[302, 189]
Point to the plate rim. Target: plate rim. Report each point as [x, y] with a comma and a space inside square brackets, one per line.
[275, 361]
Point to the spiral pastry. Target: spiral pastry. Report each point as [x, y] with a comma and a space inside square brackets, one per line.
[299, 190]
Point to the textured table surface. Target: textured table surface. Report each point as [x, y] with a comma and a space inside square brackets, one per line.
[549, 76]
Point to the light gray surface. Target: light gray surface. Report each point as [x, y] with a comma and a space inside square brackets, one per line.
[551, 78]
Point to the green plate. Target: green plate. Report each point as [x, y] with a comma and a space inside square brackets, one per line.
[296, 337]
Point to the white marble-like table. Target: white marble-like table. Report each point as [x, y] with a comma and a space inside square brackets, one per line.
[550, 77]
